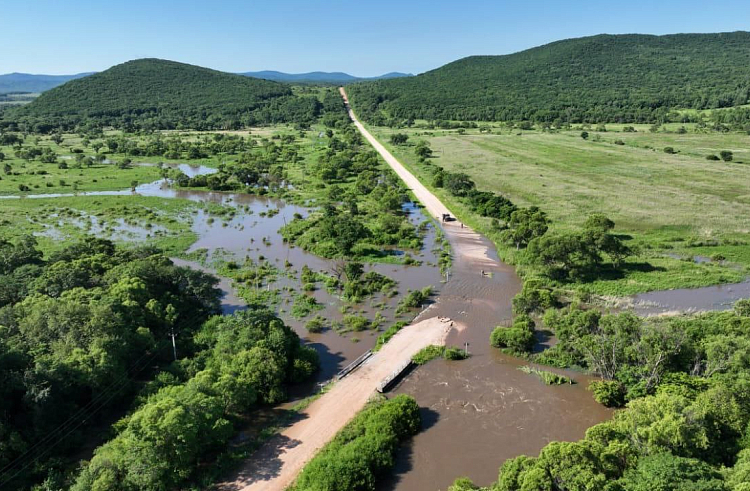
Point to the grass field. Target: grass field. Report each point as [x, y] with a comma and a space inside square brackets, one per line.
[672, 205]
[57, 222]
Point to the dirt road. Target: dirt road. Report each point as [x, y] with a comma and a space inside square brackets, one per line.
[276, 464]
[467, 244]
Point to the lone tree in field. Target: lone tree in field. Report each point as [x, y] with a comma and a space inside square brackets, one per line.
[726, 155]
[423, 150]
[399, 138]
[585, 135]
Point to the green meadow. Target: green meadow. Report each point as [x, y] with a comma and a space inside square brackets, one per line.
[679, 209]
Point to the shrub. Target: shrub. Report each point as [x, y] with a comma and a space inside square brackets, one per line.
[304, 305]
[514, 338]
[611, 393]
[316, 324]
[388, 334]
[429, 353]
[533, 298]
[356, 323]
[670, 150]
[414, 299]
[549, 378]
[712, 157]
[726, 155]
[364, 450]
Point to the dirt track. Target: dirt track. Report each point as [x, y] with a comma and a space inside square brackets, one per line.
[468, 245]
[276, 464]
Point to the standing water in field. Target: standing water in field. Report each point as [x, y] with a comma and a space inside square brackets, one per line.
[719, 297]
[251, 232]
[477, 412]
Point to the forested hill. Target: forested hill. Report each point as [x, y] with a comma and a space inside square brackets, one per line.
[160, 94]
[625, 78]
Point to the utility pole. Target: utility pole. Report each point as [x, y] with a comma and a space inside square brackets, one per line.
[174, 345]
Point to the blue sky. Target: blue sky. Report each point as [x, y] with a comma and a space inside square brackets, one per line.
[362, 38]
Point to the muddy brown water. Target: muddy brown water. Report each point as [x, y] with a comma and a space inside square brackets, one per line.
[248, 234]
[477, 412]
[481, 411]
[719, 297]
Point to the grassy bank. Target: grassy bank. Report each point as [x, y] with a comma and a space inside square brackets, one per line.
[671, 207]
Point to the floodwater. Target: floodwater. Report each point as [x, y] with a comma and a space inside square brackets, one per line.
[252, 233]
[481, 411]
[117, 229]
[719, 297]
[477, 412]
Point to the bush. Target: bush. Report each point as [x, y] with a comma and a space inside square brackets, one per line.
[549, 378]
[611, 393]
[316, 324]
[388, 334]
[712, 157]
[726, 155]
[356, 323]
[414, 299]
[514, 338]
[533, 298]
[304, 305]
[670, 150]
[360, 454]
[429, 353]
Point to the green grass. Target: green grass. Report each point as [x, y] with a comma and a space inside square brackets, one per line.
[549, 378]
[45, 178]
[668, 204]
[55, 180]
[433, 351]
[167, 221]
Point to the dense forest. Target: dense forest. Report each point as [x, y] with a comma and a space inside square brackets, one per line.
[604, 78]
[86, 340]
[160, 94]
[79, 329]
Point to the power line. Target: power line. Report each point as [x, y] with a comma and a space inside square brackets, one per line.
[90, 408]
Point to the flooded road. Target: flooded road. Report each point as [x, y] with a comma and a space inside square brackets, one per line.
[477, 412]
[481, 411]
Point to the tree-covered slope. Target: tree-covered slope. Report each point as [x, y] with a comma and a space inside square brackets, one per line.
[633, 78]
[152, 93]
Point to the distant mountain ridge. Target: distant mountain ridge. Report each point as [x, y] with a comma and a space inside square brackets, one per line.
[319, 77]
[28, 82]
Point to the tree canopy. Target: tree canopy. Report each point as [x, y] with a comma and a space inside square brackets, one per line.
[161, 94]
[604, 78]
